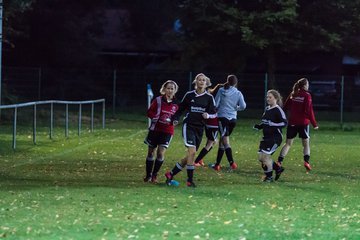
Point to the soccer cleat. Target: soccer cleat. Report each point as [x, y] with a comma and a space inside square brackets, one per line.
[307, 166]
[200, 163]
[190, 184]
[147, 179]
[168, 178]
[234, 166]
[215, 167]
[154, 179]
[268, 179]
[278, 172]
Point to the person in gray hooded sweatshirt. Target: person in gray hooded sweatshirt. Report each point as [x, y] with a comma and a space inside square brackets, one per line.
[229, 100]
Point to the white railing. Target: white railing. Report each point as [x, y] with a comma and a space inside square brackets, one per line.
[52, 102]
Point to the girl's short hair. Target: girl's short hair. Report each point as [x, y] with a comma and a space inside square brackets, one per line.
[208, 82]
[162, 89]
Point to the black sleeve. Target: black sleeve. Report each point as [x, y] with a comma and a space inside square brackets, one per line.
[182, 107]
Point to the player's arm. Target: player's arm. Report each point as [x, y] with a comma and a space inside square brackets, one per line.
[241, 105]
[152, 110]
[310, 111]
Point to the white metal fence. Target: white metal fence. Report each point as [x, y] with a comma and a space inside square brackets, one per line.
[92, 103]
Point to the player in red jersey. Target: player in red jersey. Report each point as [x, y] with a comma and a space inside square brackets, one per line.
[301, 113]
[161, 130]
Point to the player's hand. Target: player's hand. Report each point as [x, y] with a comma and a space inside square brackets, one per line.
[257, 127]
[175, 122]
[316, 128]
[205, 115]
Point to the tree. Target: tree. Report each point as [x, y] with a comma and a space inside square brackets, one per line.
[57, 33]
[269, 27]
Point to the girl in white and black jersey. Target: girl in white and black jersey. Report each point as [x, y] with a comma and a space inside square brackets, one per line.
[199, 105]
[272, 122]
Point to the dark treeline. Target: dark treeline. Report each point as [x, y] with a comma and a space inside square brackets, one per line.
[217, 35]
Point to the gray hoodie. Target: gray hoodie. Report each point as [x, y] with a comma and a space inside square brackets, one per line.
[228, 102]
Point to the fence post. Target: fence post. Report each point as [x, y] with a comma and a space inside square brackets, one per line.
[342, 102]
[39, 85]
[34, 125]
[66, 120]
[114, 92]
[92, 118]
[14, 128]
[51, 120]
[79, 126]
[265, 88]
[103, 115]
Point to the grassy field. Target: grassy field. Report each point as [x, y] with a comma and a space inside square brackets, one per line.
[91, 187]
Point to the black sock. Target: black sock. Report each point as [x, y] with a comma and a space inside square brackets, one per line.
[307, 158]
[280, 159]
[190, 172]
[149, 166]
[275, 166]
[229, 155]
[264, 167]
[202, 154]
[177, 168]
[268, 174]
[220, 154]
[157, 166]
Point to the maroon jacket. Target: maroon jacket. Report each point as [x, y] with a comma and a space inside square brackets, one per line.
[300, 109]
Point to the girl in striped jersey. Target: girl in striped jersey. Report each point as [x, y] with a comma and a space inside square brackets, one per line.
[199, 106]
[161, 130]
[272, 122]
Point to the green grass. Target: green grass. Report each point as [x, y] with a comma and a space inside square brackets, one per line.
[91, 187]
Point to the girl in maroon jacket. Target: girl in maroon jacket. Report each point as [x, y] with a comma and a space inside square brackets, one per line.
[161, 130]
[301, 114]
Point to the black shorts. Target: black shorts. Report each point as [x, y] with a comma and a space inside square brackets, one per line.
[226, 126]
[211, 133]
[155, 138]
[293, 130]
[269, 145]
[192, 135]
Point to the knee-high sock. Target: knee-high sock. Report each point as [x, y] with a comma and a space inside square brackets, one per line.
[177, 168]
[229, 155]
[157, 166]
[220, 154]
[202, 154]
[190, 172]
[149, 166]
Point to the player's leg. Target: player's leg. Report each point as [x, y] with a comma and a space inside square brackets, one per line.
[149, 163]
[160, 155]
[304, 134]
[151, 141]
[306, 151]
[226, 142]
[211, 134]
[267, 164]
[291, 133]
[163, 144]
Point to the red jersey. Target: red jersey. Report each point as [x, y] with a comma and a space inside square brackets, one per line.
[300, 109]
[160, 113]
[212, 121]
